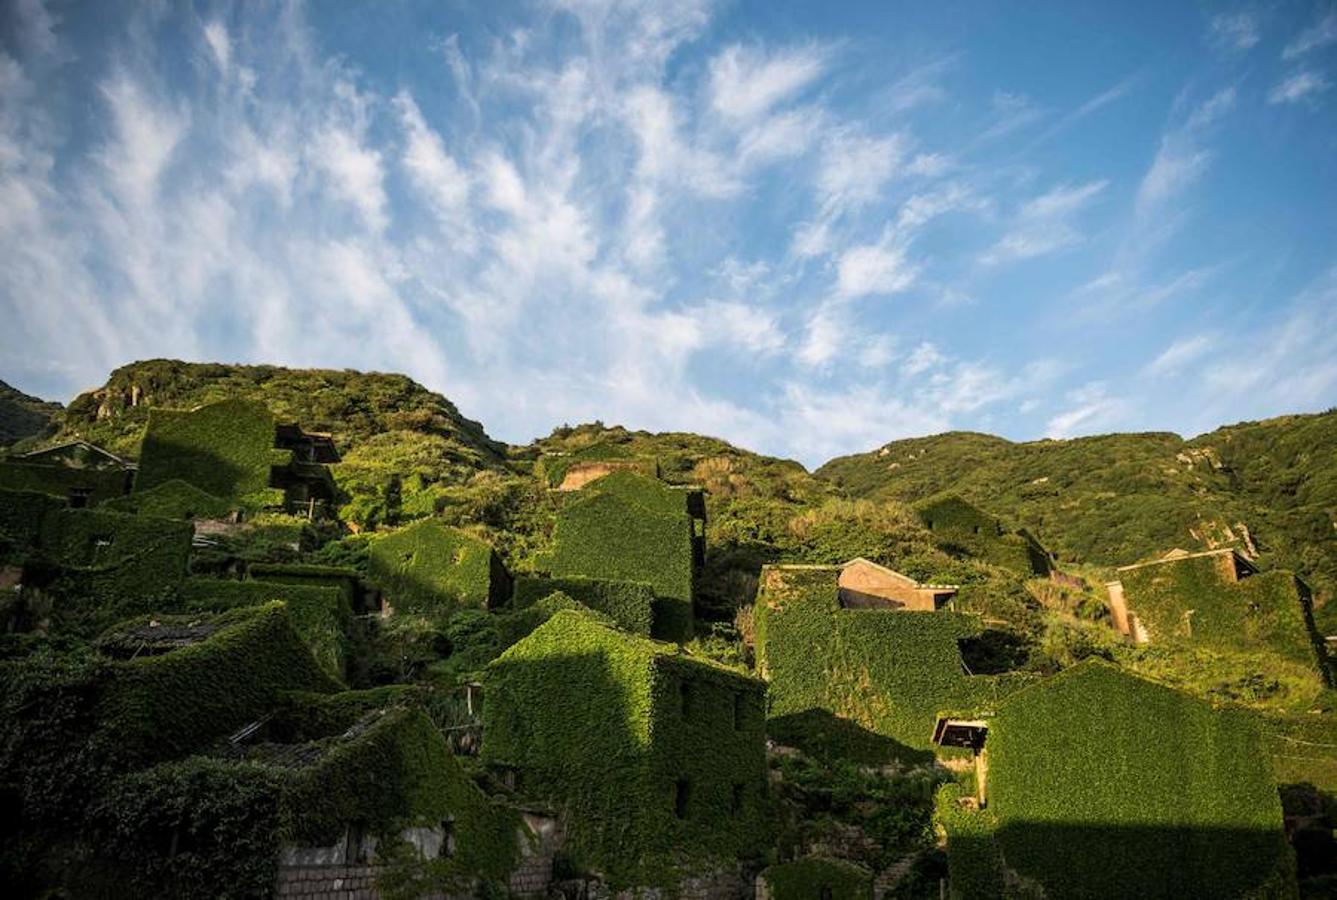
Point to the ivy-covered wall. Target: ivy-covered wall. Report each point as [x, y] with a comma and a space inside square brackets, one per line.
[173, 499]
[602, 535]
[1103, 784]
[160, 707]
[631, 604]
[319, 614]
[112, 565]
[225, 449]
[21, 516]
[60, 481]
[653, 755]
[1190, 600]
[816, 878]
[227, 818]
[433, 570]
[890, 673]
[964, 529]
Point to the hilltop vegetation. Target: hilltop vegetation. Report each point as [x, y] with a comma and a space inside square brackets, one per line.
[1115, 499]
[22, 417]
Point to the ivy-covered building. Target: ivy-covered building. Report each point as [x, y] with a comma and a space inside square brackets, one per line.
[962, 528]
[861, 682]
[80, 473]
[628, 527]
[1102, 784]
[430, 569]
[235, 450]
[657, 758]
[1219, 600]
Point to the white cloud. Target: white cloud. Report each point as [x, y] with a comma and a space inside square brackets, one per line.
[1092, 410]
[1181, 159]
[1320, 35]
[1043, 225]
[880, 268]
[1297, 87]
[854, 168]
[1234, 31]
[433, 171]
[1182, 352]
[746, 83]
[220, 45]
[354, 170]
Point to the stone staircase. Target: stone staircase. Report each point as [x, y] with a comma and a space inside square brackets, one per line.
[893, 874]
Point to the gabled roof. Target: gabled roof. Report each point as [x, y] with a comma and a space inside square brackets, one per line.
[1177, 554]
[35, 455]
[897, 576]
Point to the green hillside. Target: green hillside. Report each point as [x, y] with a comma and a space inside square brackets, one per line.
[23, 417]
[1116, 499]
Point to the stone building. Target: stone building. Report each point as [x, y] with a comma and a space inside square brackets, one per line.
[867, 585]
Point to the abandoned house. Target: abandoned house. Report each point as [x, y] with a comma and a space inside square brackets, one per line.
[961, 528]
[83, 474]
[234, 449]
[431, 569]
[867, 585]
[688, 736]
[1101, 783]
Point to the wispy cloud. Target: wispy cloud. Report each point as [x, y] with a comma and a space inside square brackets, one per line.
[1316, 37]
[1044, 224]
[1182, 352]
[1234, 30]
[1295, 88]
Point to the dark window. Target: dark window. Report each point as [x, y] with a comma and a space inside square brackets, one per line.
[977, 529]
[682, 790]
[738, 794]
[928, 523]
[684, 699]
[355, 846]
[80, 498]
[447, 839]
[826, 892]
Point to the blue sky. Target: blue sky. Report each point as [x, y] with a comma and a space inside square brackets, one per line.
[806, 228]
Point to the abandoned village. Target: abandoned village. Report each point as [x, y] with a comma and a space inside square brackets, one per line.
[223, 677]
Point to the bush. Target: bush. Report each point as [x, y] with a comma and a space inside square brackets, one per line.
[814, 878]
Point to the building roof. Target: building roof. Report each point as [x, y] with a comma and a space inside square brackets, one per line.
[905, 579]
[35, 455]
[1177, 554]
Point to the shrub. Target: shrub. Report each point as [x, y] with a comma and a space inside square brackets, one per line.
[815, 878]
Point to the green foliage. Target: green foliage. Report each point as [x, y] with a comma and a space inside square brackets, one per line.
[889, 673]
[975, 865]
[59, 481]
[173, 499]
[21, 516]
[604, 536]
[1116, 498]
[197, 828]
[1264, 612]
[630, 604]
[159, 707]
[429, 569]
[611, 725]
[1104, 784]
[961, 528]
[814, 878]
[24, 418]
[320, 614]
[112, 565]
[225, 449]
